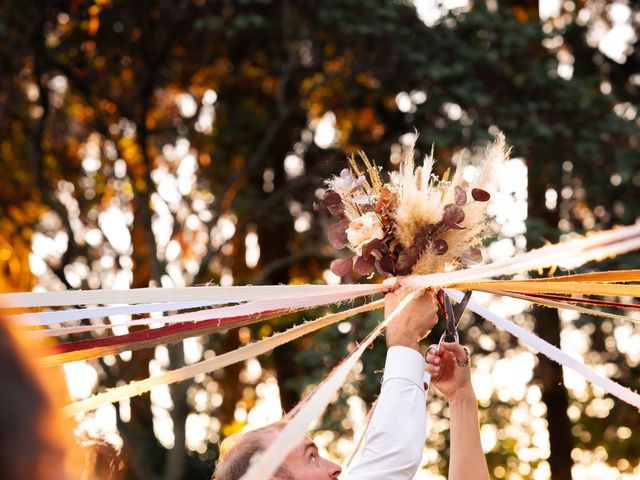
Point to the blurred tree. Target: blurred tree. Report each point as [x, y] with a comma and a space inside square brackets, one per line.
[145, 143]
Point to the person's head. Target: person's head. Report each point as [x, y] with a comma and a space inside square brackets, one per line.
[36, 443]
[303, 462]
[32, 444]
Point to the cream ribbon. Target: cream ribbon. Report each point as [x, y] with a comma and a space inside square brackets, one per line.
[243, 353]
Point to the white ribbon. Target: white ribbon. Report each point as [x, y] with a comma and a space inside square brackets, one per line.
[570, 254]
[185, 294]
[64, 316]
[206, 366]
[242, 310]
[554, 353]
[296, 428]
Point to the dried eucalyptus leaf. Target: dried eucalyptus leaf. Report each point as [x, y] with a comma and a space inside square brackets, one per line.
[385, 266]
[453, 215]
[364, 265]
[342, 266]
[407, 259]
[440, 246]
[480, 195]
[333, 203]
[337, 234]
[374, 244]
[471, 256]
[460, 196]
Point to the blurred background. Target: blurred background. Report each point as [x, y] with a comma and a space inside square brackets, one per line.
[179, 143]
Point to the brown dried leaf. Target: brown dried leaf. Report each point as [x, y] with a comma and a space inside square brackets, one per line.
[480, 195]
[364, 265]
[333, 203]
[460, 196]
[374, 244]
[385, 266]
[407, 259]
[471, 256]
[337, 234]
[440, 246]
[342, 266]
[452, 216]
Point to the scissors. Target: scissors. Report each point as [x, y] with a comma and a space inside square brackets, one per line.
[451, 332]
[453, 317]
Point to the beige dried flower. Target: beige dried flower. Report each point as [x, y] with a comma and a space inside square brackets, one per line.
[423, 200]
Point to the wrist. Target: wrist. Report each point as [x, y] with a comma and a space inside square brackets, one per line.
[403, 339]
[402, 343]
[463, 394]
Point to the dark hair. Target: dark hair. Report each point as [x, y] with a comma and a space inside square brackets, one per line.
[237, 451]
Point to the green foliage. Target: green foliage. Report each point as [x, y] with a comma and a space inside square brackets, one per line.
[276, 68]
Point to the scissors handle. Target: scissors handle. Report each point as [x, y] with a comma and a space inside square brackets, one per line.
[449, 338]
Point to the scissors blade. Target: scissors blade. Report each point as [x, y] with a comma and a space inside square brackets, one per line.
[451, 316]
[462, 306]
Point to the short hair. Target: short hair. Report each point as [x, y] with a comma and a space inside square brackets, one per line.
[237, 451]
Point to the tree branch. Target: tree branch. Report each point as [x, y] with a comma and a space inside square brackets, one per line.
[37, 139]
[203, 273]
[268, 269]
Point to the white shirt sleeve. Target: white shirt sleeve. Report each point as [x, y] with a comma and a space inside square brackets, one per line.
[395, 439]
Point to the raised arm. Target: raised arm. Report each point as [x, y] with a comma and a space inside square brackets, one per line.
[449, 369]
[395, 439]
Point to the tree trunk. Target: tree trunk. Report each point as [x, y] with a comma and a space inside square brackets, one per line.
[274, 242]
[174, 465]
[554, 396]
[547, 321]
[547, 326]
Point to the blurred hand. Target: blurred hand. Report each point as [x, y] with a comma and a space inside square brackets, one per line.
[414, 322]
[448, 377]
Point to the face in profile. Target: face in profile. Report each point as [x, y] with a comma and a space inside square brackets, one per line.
[305, 463]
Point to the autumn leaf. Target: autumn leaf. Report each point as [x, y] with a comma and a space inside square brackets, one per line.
[407, 259]
[332, 202]
[372, 246]
[385, 266]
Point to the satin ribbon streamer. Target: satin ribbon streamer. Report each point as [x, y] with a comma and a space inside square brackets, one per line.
[243, 353]
[552, 352]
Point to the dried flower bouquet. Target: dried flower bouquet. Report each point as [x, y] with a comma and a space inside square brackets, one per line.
[414, 223]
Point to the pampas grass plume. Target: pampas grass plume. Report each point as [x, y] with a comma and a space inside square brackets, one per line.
[422, 198]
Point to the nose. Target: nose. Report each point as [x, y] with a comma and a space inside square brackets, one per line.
[333, 469]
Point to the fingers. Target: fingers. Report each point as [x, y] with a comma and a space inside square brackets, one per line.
[426, 299]
[397, 294]
[433, 359]
[434, 371]
[421, 311]
[393, 283]
[390, 301]
[460, 353]
[434, 366]
[443, 356]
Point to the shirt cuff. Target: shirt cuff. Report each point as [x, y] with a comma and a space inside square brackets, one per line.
[406, 363]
